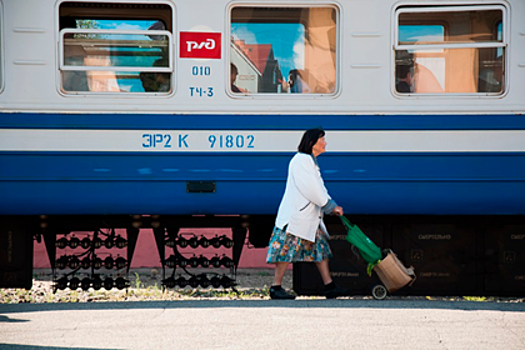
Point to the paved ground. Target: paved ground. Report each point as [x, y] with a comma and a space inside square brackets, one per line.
[264, 324]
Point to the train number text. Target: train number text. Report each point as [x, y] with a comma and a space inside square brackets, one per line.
[156, 141]
[201, 91]
[231, 141]
[201, 70]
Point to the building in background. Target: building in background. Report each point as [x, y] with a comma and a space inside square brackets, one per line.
[259, 71]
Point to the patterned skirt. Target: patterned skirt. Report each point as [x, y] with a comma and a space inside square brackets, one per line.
[285, 247]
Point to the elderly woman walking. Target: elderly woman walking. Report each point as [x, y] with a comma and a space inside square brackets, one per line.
[300, 234]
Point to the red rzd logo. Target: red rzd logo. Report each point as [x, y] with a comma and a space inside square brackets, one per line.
[200, 45]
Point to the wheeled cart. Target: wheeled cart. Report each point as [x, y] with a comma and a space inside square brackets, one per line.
[393, 274]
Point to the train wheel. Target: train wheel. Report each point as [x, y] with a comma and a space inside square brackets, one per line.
[379, 292]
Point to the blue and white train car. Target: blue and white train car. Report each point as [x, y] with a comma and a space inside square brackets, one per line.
[121, 108]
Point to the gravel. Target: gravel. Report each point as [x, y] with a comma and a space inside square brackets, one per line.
[146, 285]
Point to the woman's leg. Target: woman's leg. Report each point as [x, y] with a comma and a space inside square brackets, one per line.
[331, 290]
[280, 269]
[324, 270]
[276, 291]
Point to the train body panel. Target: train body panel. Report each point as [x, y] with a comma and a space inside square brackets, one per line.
[82, 130]
[441, 184]
[439, 171]
[364, 60]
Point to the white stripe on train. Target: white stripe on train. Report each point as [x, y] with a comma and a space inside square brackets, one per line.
[55, 140]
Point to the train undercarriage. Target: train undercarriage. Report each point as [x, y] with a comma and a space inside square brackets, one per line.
[452, 255]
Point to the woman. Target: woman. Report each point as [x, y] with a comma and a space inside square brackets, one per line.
[233, 76]
[299, 233]
[296, 82]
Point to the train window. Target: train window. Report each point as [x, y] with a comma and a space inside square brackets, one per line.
[283, 50]
[450, 50]
[101, 53]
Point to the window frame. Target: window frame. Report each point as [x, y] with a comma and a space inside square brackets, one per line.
[465, 7]
[285, 96]
[64, 67]
[172, 52]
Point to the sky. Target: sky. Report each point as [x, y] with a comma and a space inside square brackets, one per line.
[287, 40]
[421, 33]
[128, 25]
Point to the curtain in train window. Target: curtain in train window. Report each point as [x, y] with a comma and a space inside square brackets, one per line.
[118, 54]
[450, 50]
[283, 50]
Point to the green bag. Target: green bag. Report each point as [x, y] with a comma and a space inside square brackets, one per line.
[368, 250]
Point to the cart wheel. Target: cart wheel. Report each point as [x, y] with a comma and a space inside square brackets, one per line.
[379, 292]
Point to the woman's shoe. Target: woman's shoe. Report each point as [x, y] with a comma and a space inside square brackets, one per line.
[337, 292]
[280, 294]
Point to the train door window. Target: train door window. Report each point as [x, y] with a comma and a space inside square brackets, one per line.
[116, 48]
[447, 50]
[283, 50]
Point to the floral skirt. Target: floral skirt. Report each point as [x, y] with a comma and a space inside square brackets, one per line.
[285, 247]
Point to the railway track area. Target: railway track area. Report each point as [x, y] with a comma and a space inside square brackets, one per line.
[146, 285]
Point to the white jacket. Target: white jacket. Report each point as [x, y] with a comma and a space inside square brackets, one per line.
[304, 196]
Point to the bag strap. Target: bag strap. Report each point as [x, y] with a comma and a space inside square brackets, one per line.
[347, 223]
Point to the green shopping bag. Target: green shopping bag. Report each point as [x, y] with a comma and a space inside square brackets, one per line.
[368, 250]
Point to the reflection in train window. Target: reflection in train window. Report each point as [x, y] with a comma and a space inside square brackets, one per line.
[450, 50]
[283, 50]
[101, 54]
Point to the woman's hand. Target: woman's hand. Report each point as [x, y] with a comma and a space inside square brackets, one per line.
[338, 211]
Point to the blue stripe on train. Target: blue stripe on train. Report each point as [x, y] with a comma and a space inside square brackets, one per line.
[363, 197]
[262, 122]
[466, 184]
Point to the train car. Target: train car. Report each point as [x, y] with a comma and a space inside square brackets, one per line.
[167, 114]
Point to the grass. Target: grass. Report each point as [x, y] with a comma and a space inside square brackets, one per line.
[147, 287]
[44, 293]
[138, 283]
[265, 273]
[478, 299]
